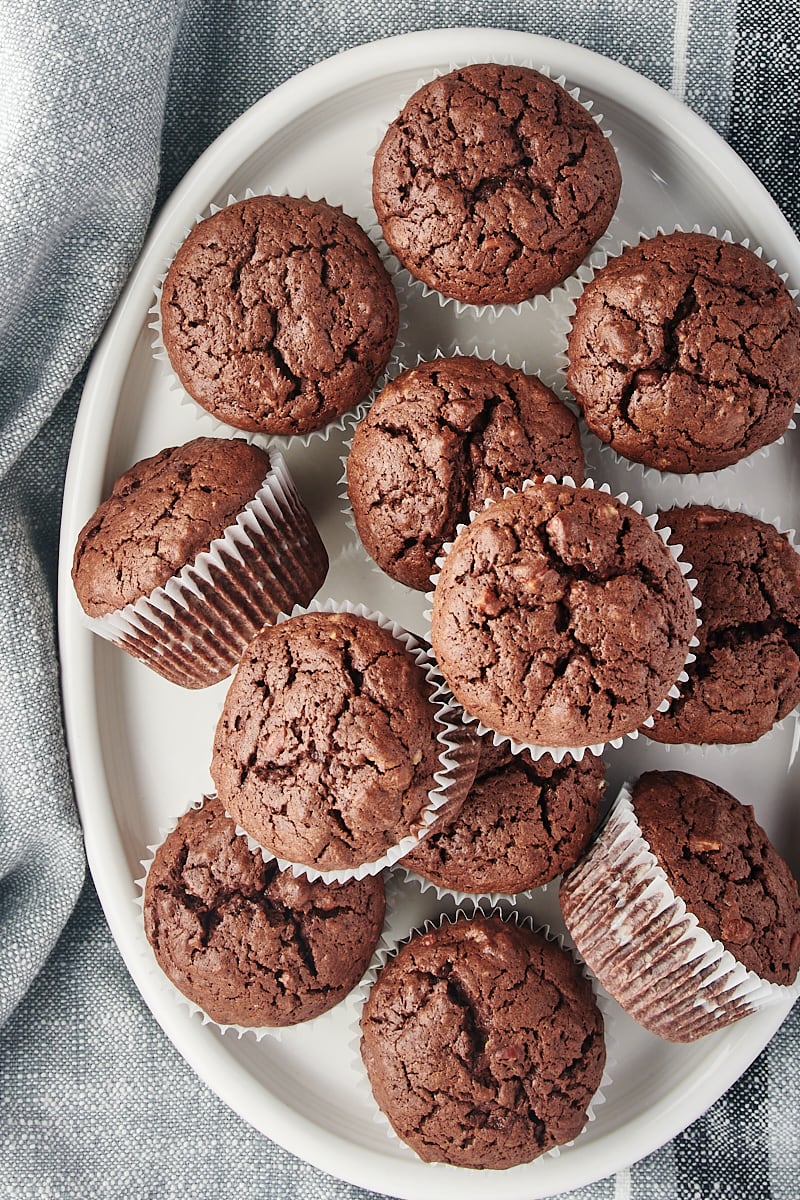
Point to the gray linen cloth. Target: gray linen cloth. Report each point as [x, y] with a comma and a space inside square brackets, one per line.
[103, 107]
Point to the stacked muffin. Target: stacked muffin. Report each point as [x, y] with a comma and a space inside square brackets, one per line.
[467, 755]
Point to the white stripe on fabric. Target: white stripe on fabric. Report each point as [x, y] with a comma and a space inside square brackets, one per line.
[680, 44]
[622, 1184]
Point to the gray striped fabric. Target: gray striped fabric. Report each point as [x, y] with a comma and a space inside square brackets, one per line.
[104, 107]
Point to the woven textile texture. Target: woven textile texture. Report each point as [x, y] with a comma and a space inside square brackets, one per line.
[103, 108]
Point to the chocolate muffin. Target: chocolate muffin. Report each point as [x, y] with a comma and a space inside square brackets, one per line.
[747, 672]
[440, 439]
[483, 1044]
[493, 183]
[249, 944]
[326, 748]
[195, 549]
[560, 618]
[277, 314]
[522, 823]
[684, 353]
[681, 896]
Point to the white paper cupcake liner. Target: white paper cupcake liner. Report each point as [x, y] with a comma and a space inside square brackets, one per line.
[391, 944]
[577, 752]
[458, 754]
[408, 283]
[476, 348]
[468, 900]
[646, 948]
[609, 247]
[194, 628]
[210, 420]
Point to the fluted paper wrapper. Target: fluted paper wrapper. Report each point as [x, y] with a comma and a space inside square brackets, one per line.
[646, 948]
[194, 628]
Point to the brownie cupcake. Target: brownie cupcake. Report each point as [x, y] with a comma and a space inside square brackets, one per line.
[483, 1044]
[195, 549]
[331, 748]
[251, 945]
[439, 440]
[684, 353]
[277, 314]
[560, 618]
[493, 183]
[683, 909]
[746, 674]
[523, 822]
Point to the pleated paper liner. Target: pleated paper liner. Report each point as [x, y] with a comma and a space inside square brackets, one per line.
[481, 348]
[185, 1000]
[458, 753]
[210, 420]
[577, 752]
[395, 936]
[407, 283]
[603, 458]
[194, 628]
[792, 718]
[646, 948]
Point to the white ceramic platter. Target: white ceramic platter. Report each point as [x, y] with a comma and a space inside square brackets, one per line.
[140, 747]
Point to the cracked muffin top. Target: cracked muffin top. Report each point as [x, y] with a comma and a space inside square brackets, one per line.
[278, 314]
[483, 1044]
[493, 183]
[326, 748]
[162, 513]
[560, 618]
[684, 353]
[249, 944]
[523, 822]
[439, 440]
[746, 674]
[721, 863]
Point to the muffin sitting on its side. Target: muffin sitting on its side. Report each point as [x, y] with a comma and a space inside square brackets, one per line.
[683, 909]
[195, 549]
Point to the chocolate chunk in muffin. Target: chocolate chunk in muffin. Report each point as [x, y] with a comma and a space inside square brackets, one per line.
[522, 823]
[277, 314]
[439, 440]
[684, 353]
[560, 618]
[493, 183]
[483, 1044]
[249, 944]
[326, 748]
[746, 675]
